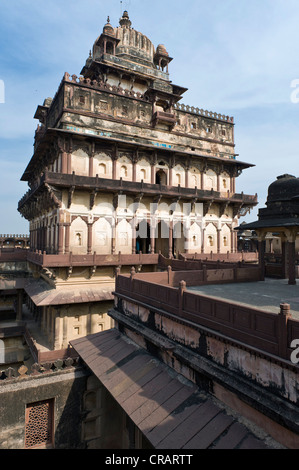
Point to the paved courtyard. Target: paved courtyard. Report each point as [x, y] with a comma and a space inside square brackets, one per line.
[265, 295]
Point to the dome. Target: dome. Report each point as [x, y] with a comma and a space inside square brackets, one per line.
[285, 188]
[108, 29]
[161, 49]
[133, 44]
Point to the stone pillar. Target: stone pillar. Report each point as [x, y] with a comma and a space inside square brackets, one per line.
[203, 241]
[90, 169]
[187, 177]
[89, 238]
[170, 176]
[153, 236]
[57, 331]
[292, 262]
[283, 257]
[67, 238]
[113, 237]
[218, 239]
[133, 238]
[153, 174]
[69, 163]
[60, 238]
[65, 339]
[64, 162]
[261, 249]
[170, 241]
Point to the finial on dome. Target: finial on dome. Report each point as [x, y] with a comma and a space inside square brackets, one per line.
[125, 21]
[108, 29]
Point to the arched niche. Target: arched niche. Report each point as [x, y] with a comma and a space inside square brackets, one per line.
[78, 236]
[101, 236]
[210, 180]
[124, 169]
[224, 182]
[195, 238]
[210, 239]
[80, 162]
[143, 171]
[225, 239]
[178, 175]
[123, 242]
[102, 165]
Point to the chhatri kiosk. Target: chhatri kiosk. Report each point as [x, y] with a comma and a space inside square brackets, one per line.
[282, 217]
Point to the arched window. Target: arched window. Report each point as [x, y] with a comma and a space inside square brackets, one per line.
[210, 240]
[143, 174]
[178, 179]
[102, 169]
[109, 48]
[123, 172]
[161, 177]
[78, 238]
[225, 243]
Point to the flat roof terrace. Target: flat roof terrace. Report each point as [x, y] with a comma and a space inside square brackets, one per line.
[265, 295]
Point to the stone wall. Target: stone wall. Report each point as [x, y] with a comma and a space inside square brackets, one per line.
[64, 389]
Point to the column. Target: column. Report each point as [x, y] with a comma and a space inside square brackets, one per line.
[69, 163]
[292, 260]
[283, 257]
[203, 241]
[90, 170]
[64, 162]
[133, 237]
[261, 248]
[187, 177]
[114, 168]
[67, 238]
[218, 239]
[60, 238]
[153, 174]
[170, 176]
[170, 241]
[89, 237]
[57, 331]
[113, 237]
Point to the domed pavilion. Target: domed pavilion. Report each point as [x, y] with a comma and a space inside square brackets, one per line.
[282, 217]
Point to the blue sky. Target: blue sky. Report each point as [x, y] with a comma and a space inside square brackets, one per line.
[236, 57]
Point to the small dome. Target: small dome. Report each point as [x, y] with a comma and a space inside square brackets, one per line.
[161, 49]
[108, 29]
[285, 188]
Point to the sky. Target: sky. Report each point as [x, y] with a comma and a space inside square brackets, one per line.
[236, 58]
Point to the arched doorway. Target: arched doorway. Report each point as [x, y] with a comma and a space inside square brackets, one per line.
[143, 237]
[161, 177]
[178, 245]
[162, 238]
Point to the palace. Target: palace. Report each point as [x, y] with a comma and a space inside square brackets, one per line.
[121, 172]
[108, 338]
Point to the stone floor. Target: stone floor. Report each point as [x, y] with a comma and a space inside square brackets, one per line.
[265, 295]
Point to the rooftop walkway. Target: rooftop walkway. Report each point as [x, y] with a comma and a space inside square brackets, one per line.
[266, 295]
